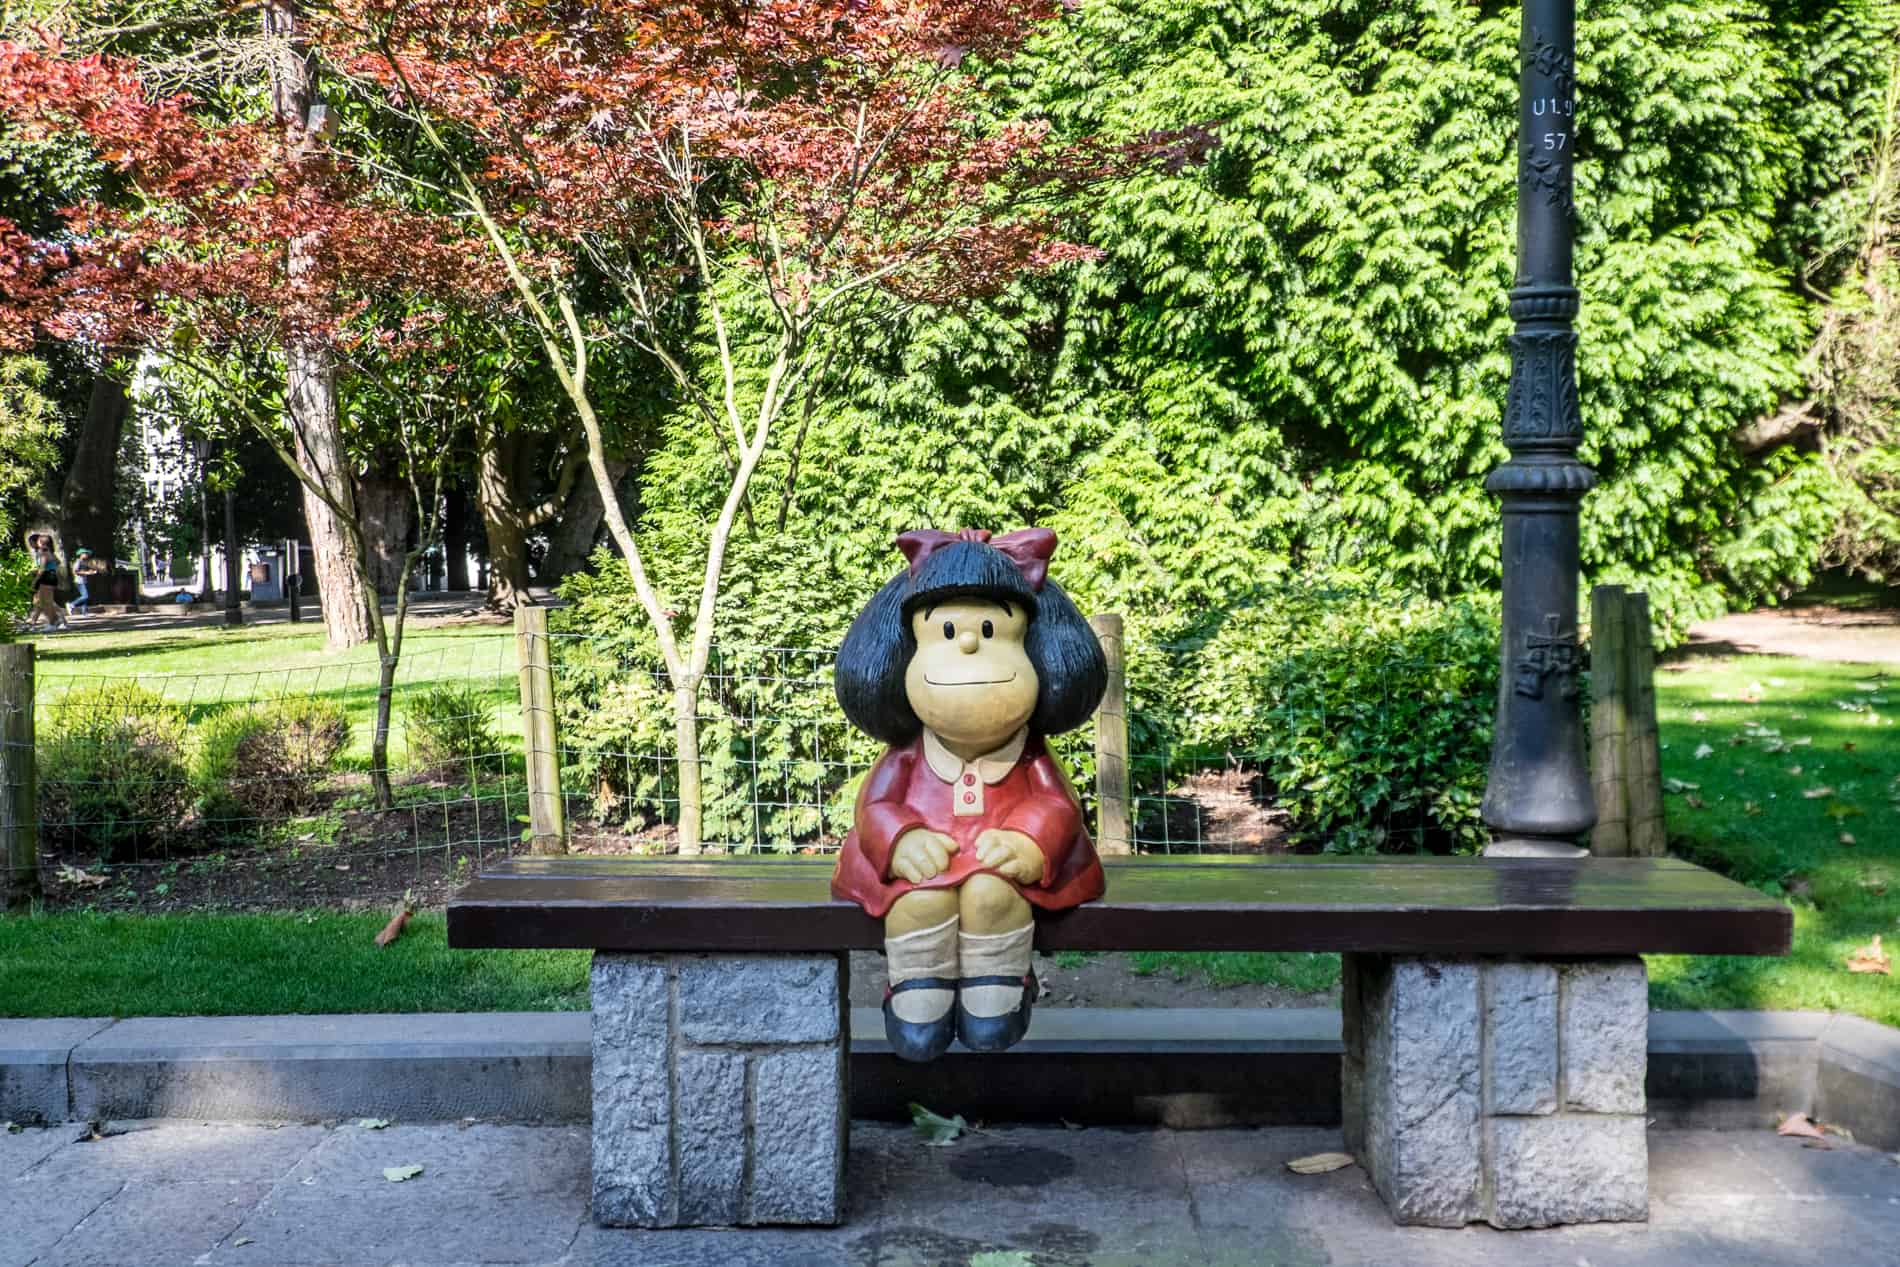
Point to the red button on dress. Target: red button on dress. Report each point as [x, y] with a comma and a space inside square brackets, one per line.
[968, 779]
[969, 798]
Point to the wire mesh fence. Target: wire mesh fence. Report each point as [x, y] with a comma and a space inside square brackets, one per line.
[270, 764]
[264, 783]
[780, 767]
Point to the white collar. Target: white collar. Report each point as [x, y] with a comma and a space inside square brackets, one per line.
[994, 767]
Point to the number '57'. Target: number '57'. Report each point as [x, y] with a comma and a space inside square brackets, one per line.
[1555, 140]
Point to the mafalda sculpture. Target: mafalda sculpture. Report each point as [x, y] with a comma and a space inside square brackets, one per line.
[964, 663]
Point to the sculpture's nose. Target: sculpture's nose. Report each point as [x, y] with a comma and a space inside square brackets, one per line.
[967, 642]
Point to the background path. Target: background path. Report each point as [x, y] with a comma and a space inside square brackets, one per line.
[1818, 632]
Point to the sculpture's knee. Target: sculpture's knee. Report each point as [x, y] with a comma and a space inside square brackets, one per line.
[920, 908]
[991, 904]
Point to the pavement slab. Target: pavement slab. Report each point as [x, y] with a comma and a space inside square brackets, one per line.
[179, 1152]
[27, 1147]
[250, 1195]
[486, 1194]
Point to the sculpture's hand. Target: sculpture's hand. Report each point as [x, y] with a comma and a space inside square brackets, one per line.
[1010, 854]
[921, 854]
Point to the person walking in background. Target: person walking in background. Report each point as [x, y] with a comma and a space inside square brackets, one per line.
[45, 585]
[84, 568]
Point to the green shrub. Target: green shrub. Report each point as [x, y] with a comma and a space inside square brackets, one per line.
[266, 760]
[451, 731]
[1368, 711]
[112, 769]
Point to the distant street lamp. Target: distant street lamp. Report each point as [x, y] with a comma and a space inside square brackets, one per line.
[1538, 799]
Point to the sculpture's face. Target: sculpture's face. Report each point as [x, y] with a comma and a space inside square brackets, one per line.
[971, 680]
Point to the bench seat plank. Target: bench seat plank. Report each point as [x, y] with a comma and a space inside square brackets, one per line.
[1401, 905]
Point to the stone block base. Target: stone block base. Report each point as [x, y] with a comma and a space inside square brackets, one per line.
[1497, 1090]
[719, 1089]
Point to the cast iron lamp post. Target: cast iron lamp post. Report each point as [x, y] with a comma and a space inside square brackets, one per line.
[1538, 799]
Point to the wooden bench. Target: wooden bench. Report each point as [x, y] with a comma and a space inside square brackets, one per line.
[1495, 1014]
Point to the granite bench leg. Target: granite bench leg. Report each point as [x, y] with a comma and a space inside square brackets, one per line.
[1498, 1090]
[719, 1089]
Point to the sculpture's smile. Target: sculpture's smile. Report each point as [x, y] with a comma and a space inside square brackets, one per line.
[975, 681]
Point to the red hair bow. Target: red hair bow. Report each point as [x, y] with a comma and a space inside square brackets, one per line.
[1028, 548]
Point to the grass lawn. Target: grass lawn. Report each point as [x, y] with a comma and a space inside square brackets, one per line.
[206, 667]
[1786, 776]
[242, 965]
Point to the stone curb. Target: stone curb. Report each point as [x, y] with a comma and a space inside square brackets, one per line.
[1185, 1067]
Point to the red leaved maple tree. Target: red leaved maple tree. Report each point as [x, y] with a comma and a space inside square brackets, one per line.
[774, 173]
[235, 240]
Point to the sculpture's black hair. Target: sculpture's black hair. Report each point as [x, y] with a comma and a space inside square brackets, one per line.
[876, 652]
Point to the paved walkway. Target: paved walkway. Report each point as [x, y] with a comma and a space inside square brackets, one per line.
[1814, 630]
[156, 1194]
[426, 608]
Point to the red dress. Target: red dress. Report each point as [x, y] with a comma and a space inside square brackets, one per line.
[903, 791]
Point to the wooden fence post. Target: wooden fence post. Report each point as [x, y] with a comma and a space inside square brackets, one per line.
[1649, 836]
[547, 817]
[1625, 766]
[1112, 833]
[19, 783]
[1609, 721]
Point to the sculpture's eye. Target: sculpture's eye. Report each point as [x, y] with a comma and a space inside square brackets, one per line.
[989, 630]
[949, 629]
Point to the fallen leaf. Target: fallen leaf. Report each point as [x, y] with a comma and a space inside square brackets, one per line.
[1816, 793]
[936, 1130]
[1679, 785]
[1795, 770]
[1871, 958]
[1698, 717]
[1847, 838]
[1695, 802]
[393, 929]
[1750, 808]
[342, 866]
[84, 879]
[242, 1241]
[1320, 1163]
[1800, 1124]
[373, 1123]
[401, 1174]
[1703, 750]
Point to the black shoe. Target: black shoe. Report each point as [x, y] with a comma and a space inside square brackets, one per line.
[919, 1041]
[995, 1033]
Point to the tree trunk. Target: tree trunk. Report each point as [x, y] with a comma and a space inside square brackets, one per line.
[686, 741]
[379, 783]
[455, 538]
[310, 387]
[501, 519]
[573, 534]
[319, 450]
[388, 518]
[89, 516]
[233, 561]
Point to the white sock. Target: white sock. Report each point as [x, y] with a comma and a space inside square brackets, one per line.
[996, 955]
[928, 952]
